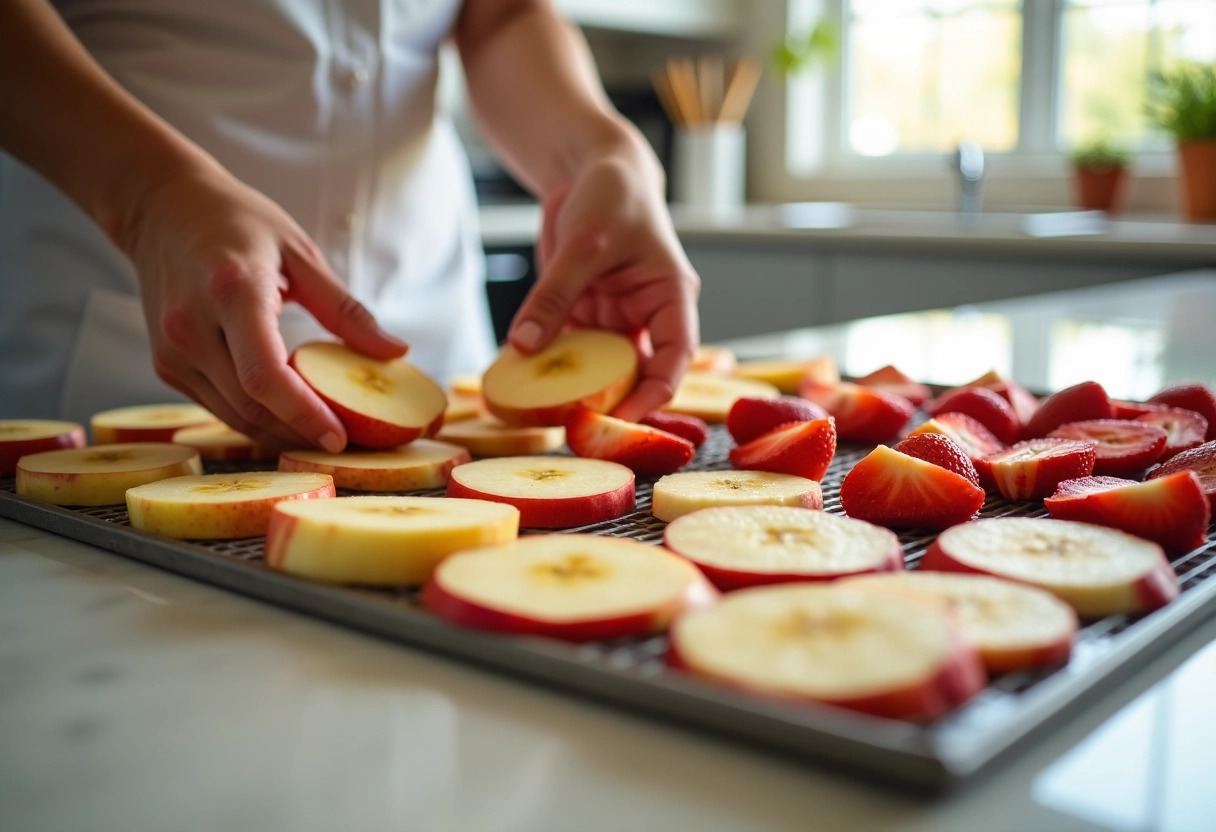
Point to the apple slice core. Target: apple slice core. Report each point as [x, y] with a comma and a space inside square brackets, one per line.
[101, 475]
[422, 464]
[551, 492]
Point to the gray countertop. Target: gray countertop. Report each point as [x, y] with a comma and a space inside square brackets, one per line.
[133, 699]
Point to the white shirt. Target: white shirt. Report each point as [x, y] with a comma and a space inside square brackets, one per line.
[327, 107]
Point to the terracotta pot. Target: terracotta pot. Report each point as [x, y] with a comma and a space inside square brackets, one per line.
[1100, 189]
[1198, 164]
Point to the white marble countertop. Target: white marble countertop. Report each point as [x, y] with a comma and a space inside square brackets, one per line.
[132, 699]
[835, 224]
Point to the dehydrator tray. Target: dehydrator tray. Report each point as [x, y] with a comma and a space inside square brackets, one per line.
[631, 673]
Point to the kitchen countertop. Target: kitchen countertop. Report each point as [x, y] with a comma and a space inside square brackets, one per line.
[133, 699]
[837, 224]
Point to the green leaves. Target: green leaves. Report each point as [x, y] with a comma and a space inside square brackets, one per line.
[1100, 154]
[797, 54]
[1182, 100]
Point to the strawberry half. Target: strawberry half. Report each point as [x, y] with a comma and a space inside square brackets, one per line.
[645, 449]
[1191, 395]
[1079, 403]
[1032, 469]
[804, 449]
[1130, 410]
[683, 425]
[1124, 449]
[1020, 399]
[1184, 429]
[1172, 511]
[1201, 460]
[863, 414]
[890, 488]
[749, 418]
[891, 380]
[983, 405]
[941, 451]
[969, 434]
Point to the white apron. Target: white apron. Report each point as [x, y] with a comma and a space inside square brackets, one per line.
[328, 108]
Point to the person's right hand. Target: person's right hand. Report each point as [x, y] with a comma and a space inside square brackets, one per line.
[216, 261]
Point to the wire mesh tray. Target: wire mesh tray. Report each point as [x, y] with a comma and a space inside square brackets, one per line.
[631, 672]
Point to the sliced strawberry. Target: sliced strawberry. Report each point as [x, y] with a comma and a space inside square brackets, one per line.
[1078, 403]
[893, 489]
[1172, 511]
[1024, 404]
[941, 451]
[1130, 410]
[891, 380]
[1201, 460]
[863, 414]
[970, 435]
[1124, 449]
[983, 405]
[749, 418]
[1184, 429]
[645, 449]
[804, 449]
[1191, 395]
[1032, 469]
[687, 427]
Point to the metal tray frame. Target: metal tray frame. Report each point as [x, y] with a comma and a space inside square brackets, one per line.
[631, 673]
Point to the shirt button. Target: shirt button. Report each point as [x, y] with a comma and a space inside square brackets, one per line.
[357, 78]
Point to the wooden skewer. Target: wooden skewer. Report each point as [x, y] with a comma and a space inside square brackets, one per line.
[709, 81]
[687, 77]
[667, 98]
[745, 75]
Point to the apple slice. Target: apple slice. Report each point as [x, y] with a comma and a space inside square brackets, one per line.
[786, 376]
[1012, 626]
[424, 463]
[19, 437]
[827, 643]
[711, 397]
[678, 494]
[461, 406]
[382, 404]
[1099, 571]
[467, 384]
[216, 442]
[381, 541]
[551, 492]
[711, 358]
[568, 586]
[146, 423]
[100, 476]
[219, 506]
[741, 546]
[587, 368]
[486, 436]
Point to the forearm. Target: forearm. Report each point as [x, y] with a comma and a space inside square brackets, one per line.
[536, 96]
[67, 119]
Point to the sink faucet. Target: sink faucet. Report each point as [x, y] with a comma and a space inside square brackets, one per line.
[968, 163]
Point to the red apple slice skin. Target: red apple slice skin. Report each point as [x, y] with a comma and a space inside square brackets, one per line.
[96, 488]
[414, 478]
[729, 580]
[192, 416]
[69, 435]
[558, 513]
[214, 445]
[476, 616]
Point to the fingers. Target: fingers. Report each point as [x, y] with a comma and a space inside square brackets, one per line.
[550, 207]
[317, 290]
[674, 333]
[574, 266]
[195, 385]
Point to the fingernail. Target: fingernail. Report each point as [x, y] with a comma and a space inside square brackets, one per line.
[332, 443]
[528, 335]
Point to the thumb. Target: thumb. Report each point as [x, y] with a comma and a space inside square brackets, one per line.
[315, 288]
[575, 264]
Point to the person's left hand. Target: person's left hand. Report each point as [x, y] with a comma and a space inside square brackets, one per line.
[608, 258]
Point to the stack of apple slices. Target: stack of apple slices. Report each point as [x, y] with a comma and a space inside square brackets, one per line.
[216, 442]
[584, 368]
[485, 436]
[827, 643]
[740, 546]
[219, 506]
[100, 476]
[550, 492]
[710, 397]
[382, 404]
[422, 464]
[381, 541]
[678, 494]
[1012, 626]
[573, 587]
[19, 437]
[787, 375]
[146, 423]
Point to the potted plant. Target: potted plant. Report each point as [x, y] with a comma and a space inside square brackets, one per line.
[1100, 169]
[1182, 102]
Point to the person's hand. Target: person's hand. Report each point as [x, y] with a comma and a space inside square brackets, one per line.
[608, 258]
[216, 261]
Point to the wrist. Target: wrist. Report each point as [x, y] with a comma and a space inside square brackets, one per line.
[618, 141]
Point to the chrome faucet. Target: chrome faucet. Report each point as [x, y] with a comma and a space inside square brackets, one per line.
[968, 163]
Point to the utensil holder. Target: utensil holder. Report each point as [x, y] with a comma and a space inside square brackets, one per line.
[710, 166]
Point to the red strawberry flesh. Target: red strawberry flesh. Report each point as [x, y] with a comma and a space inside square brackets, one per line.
[1201, 460]
[941, 451]
[1032, 469]
[863, 414]
[804, 449]
[1191, 395]
[891, 380]
[1172, 511]
[1184, 429]
[749, 418]
[1079, 403]
[644, 449]
[890, 488]
[1124, 448]
[983, 405]
[685, 426]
